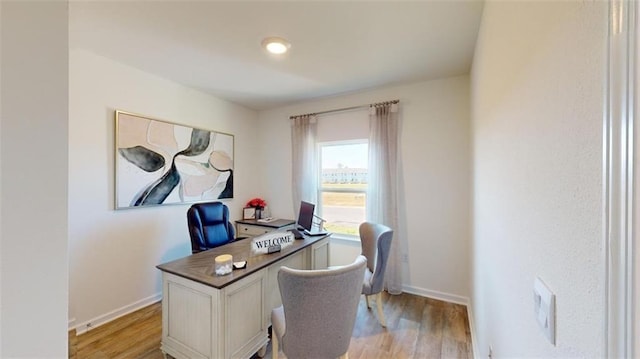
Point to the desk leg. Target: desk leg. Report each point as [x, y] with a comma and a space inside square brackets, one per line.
[263, 351]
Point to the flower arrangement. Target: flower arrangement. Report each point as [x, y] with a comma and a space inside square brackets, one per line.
[257, 203]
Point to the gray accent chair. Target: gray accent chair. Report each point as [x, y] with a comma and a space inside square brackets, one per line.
[318, 311]
[376, 245]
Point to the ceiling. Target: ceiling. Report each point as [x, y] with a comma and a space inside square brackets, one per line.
[337, 46]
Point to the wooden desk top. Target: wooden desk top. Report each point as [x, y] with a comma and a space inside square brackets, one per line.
[199, 267]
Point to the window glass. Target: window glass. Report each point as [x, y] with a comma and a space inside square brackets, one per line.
[343, 185]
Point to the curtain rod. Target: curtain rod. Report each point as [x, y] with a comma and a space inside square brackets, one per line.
[347, 109]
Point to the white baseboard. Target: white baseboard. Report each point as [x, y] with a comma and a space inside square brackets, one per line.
[72, 324]
[446, 297]
[83, 327]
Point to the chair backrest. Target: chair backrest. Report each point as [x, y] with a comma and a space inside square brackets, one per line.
[320, 308]
[209, 226]
[376, 245]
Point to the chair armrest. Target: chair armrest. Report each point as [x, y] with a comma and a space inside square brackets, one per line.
[334, 267]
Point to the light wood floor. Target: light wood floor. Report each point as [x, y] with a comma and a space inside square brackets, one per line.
[417, 327]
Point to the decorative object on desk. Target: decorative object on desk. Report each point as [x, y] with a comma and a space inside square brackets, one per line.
[261, 244]
[159, 162]
[224, 264]
[259, 204]
[240, 265]
[248, 213]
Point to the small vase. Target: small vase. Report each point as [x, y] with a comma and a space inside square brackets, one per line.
[258, 213]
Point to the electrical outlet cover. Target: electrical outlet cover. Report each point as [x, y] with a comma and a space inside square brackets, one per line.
[544, 304]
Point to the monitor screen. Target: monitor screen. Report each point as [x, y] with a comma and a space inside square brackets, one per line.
[305, 216]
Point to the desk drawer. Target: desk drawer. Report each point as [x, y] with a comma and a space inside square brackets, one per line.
[252, 231]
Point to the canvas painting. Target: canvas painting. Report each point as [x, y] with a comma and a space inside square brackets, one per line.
[159, 162]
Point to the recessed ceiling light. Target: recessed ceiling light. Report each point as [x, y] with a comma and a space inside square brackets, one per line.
[276, 45]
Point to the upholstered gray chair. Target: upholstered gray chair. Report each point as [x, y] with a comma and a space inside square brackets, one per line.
[376, 245]
[318, 311]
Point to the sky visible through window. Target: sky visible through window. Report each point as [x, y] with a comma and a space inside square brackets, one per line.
[351, 155]
[343, 186]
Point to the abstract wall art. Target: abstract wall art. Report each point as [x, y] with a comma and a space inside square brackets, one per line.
[159, 162]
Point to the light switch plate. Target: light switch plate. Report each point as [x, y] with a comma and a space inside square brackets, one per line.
[544, 307]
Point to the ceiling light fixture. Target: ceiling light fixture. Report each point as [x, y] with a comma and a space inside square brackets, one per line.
[276, 45]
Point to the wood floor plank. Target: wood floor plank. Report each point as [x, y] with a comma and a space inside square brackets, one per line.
[452, 348]
[429, 344]
[417, 327]
[394, 309]
[404, 339]
[455, 331]
[116, 326]
[126, 337]
[73, 344]
[454, 325]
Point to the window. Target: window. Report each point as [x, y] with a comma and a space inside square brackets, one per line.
[343, 185]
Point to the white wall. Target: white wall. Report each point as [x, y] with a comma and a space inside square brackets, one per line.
[436, 176]
[1, 233]
[113, 254]
[34, 166]
[537, 95]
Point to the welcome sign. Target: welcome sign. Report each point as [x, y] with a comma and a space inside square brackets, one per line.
[261, 244]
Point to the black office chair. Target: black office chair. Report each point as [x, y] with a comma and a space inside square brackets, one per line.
[209, 226]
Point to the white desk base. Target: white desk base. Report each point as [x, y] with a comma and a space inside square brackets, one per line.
[200, 321]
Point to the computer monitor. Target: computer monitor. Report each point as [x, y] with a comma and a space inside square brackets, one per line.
[305, 216]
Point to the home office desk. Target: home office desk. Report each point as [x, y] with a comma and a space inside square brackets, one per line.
[209, 316]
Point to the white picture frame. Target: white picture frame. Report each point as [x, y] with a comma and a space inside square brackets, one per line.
[249, 213]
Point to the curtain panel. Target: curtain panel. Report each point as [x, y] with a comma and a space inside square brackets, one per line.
[382, 194]
[304, 160]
